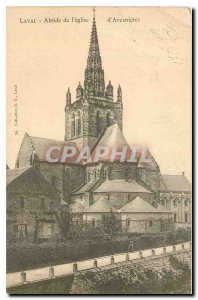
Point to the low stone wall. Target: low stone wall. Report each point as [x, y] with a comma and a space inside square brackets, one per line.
[156, 260]
[161, 266]
[60, 285]
[80, 283]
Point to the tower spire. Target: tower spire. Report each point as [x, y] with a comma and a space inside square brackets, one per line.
[94, 74]
[94, 12]
[68, 97]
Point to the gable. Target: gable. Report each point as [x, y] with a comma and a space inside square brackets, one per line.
[25, 151]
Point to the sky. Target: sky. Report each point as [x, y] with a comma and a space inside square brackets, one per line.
[149, 58]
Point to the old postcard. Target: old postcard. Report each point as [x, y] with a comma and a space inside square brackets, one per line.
[99, 111]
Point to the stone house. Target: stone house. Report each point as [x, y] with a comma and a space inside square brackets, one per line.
[33, 206]
[140, 216]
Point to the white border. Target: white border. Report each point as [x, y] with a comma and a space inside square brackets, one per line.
[3, 4]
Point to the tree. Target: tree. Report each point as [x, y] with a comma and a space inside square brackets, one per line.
[110, 222]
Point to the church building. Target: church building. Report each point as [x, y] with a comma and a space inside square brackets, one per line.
[95, 117]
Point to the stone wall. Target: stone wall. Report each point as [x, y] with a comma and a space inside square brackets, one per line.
[151, 177]
[107, 278]
[64, 178]
[144, 222]
[31, 202]
[179, 203]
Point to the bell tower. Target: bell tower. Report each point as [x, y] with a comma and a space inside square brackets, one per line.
[94, 108]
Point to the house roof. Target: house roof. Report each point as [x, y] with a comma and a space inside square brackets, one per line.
[12, 174]
[31, 180]
[124, 186]
[139, 205]
[102, 205]
[174, 183]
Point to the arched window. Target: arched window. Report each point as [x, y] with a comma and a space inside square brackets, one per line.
[98, 122]
[42, 202]
[186, 217]
[175, 202]
[186, 202]
[33, 158]
[88, 176]
[93, 223]
[163, 202]
[106, 173]
[151, 223]
[22, 202]
[78, 125]
[108, 119]
[174, 217]
[73, 126]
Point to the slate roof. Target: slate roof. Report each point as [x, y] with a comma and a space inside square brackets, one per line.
[112, 137]
[12, 174]
[139, 205]
[85, 188]
[32, 179]
[152, 164]
[174, 183]
[125, 186]
[102, 205]
[41, 145]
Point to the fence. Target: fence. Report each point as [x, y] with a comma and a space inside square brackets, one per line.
[24, 277]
